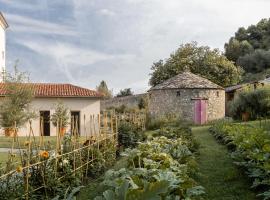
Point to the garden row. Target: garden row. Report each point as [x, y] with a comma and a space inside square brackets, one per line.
[250, 148]
[158, 167]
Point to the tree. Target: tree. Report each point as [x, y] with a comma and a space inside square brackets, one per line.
[200, 60]
[125, 92]
[250, 47]
[16, 105]
[103, 88]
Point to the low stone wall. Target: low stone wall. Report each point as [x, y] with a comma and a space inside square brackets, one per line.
[129, 101]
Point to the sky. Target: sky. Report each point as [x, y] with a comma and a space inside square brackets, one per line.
[85, 41]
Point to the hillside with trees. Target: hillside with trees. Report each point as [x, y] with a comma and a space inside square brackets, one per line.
[250, 49]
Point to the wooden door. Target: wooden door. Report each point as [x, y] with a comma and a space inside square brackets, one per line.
[200, 111]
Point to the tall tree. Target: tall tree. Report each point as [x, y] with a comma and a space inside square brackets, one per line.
[125, 92]
[103, 88]
[200, 60]
[250, 48]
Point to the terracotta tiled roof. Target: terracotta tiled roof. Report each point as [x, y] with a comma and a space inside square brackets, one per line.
[186, 80]
[55, 90]
[3, 21]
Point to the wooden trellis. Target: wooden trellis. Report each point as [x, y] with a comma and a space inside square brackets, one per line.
[102, 129]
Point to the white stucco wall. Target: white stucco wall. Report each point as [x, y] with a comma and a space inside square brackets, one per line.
[86, 106]
[2, 50]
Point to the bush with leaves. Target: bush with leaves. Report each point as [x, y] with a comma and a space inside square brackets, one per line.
[61, 115]
[255, 102]
[128, 135]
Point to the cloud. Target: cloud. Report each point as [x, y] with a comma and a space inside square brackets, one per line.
[23, 24]
[117, 41]
[107, 12]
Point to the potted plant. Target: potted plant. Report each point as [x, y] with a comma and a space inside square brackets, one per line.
[60, 118]
[15, 110]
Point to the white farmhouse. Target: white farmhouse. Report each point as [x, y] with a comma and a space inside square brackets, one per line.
[3, 27]
[81, 102]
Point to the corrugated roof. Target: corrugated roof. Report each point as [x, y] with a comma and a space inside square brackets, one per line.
[54, 90]
[186, 80]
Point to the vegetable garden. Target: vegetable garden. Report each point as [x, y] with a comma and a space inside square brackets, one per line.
[250, 148]
[46, 169]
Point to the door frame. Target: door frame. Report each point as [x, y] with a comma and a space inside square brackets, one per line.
[202, 117]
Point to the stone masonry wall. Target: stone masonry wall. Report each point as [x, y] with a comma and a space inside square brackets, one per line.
[129, 101]
[162, 102]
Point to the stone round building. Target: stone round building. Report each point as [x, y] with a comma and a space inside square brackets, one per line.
[188, 96]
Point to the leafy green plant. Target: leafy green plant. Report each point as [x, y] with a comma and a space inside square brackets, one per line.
[128, 135]
[159, 168]
[61, 115]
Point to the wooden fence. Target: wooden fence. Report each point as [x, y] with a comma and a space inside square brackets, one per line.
[48, 160]
[38, 157]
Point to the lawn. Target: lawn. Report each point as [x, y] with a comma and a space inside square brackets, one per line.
[3, 157]
[6, 142]
[217, 173]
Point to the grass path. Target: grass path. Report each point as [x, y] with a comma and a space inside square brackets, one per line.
[217, 173]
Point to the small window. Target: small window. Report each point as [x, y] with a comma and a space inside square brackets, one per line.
[178, 93]
[217, 93]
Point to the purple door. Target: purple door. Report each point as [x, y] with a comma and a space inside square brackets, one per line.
[200, 109]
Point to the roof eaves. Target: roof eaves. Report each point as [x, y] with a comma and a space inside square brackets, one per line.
[3, 20]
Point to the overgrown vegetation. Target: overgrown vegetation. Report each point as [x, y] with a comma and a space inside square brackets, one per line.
[254, 103]
[250, 147]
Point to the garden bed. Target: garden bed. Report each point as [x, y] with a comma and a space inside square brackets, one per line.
[250, 149]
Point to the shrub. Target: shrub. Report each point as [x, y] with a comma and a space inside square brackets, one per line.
[255, 102]
[128, 135]
[61, 115]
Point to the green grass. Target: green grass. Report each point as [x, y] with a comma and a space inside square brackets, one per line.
[3, 157]
[217, 173]
[94, 188]
[6, 142]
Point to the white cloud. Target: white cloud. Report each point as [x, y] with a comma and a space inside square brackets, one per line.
[121, 39]
[22, 24]
[107, 12]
